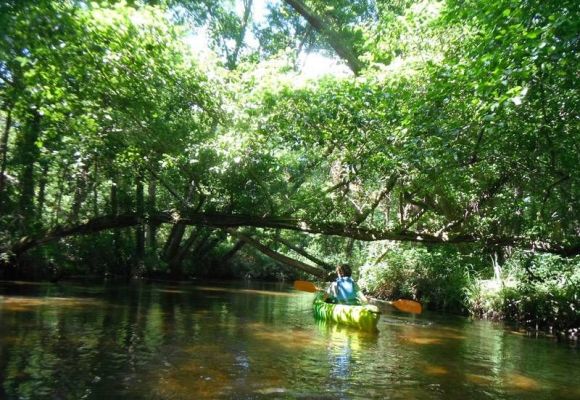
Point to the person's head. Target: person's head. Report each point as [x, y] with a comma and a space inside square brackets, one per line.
[344, 270]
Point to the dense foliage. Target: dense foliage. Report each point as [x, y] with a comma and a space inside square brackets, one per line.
[456, 135]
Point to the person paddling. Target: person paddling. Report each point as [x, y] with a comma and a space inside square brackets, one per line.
[344, 289]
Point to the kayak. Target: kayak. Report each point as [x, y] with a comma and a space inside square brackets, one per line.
[363, 316]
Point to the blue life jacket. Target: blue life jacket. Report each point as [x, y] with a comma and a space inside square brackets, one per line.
[346, 290]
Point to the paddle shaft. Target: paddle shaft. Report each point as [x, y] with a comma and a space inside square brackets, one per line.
[409, 306]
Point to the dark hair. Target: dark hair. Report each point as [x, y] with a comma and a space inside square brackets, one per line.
[344, 270]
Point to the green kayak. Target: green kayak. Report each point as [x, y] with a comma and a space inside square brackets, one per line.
[363, 316]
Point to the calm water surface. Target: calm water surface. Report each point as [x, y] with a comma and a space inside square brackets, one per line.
[255, 341]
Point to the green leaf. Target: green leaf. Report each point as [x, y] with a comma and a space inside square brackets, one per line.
[532, 35]
[23, 60]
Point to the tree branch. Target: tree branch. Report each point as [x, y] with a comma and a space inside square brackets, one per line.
[303, 253]
[318, 272]
[344, 50]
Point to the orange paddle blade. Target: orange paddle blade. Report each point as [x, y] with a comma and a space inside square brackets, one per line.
[409, 306]
[305, 286]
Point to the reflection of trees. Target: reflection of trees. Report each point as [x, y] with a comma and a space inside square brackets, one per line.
[70, 352]
[54, 354]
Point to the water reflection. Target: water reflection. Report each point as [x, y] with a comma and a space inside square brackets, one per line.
[245, 291]
[155, 341]
[521, 382]
[18, 303]
[436, 370]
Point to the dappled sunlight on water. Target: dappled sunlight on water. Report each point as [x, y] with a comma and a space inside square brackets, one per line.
[173, 291]
[420, 340]
[442, 333]
[296, 339]
[25, 283]
[437, 370]
[203, 375]
[520, 382]
[173, 341]
[482, 380]
[17, 303]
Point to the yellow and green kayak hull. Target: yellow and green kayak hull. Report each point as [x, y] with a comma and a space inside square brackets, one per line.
[364, 316]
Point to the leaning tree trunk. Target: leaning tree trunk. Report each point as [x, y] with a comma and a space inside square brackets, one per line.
[334, 38]
[232, 252]
[305, 254]
[176, 261]
[173, 241]
[318, 272]
[206, 250]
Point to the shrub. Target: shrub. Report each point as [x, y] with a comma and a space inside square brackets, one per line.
[436, 277]
[539, 292]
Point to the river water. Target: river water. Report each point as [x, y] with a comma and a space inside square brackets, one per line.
[256, 341]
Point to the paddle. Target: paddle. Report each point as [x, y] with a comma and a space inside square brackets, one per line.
[306, 286]
[409, 306]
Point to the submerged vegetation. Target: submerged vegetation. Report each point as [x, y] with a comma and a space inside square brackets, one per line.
[191, 139]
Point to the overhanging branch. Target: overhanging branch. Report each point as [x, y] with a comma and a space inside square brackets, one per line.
[315, 227]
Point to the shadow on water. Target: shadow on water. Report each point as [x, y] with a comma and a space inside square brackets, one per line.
[207, 341]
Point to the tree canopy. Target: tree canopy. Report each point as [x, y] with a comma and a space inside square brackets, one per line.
[458, 126]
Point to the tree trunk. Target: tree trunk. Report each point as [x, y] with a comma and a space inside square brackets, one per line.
[42, 188]
[173, 241]
[302, 43]
[496, 267]
[336, 41]
[80, 193]
[305, 254]
[96, 189]
[205, 250]
[28, 156]
[139, 229]
[318, 272]
[200, 244]
[4, 150]
[62, 173]
[233, 61]
[175, 263]
[237, 247]
[227, 222]
[151, 208]
[116, 234]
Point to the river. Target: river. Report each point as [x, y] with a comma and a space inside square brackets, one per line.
[256, 341]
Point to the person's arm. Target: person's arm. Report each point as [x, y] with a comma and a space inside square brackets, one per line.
[360, 295]
[331, 291]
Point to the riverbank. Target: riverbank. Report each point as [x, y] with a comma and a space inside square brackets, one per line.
[539, 294]
[550, 306]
